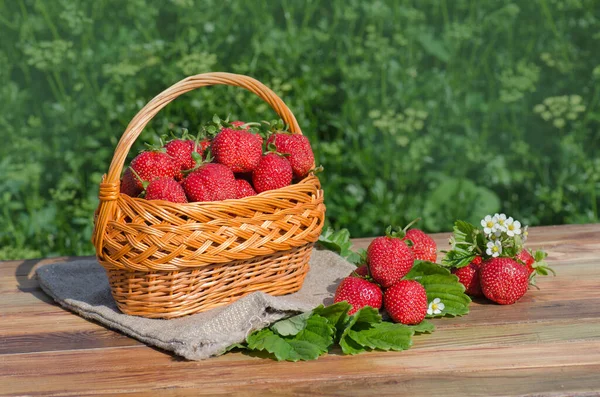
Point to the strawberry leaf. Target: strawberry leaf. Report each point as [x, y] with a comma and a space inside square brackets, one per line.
[308, 344]
[383, 336]
[336, 314]
[466, 242]
[424, 327]
[362, 319]
[458, 257]
[292, 325]
[339, 241]
[439, 283]
[425, 268]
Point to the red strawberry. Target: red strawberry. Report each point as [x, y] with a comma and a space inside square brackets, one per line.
[239, 124]
[406, 302]
[243, 188]
[503, 280]
[525, 257]
[129, 185]
[151, 165]
[167, 189]
[389, 260]
[298, 148]
[210, 182]
[359, 293]
[360, 271]
[273, 172]
[181, 151]
[240, 150]
[423, 246]
[469, 277]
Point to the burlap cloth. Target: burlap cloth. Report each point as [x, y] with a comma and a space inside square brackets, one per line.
[82, 287]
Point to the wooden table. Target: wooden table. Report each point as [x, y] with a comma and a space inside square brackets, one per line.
[547, 343]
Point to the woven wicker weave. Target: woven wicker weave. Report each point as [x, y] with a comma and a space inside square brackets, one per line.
[166, 260]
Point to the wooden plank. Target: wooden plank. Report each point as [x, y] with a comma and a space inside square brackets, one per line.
[572, 380]
[93, 338]
[447, 335]
[109, 370]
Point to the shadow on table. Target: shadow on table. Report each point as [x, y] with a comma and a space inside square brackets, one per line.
[27, 282]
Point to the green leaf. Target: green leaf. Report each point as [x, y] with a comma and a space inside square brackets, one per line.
[292, 325]
[424, 327]
[314, 340]
[465, 239]
[424, 268]
[458, 258]
[383, 336]
[439, 283]
[450, 291]
[434, 47]
[463, 231]
[362, 319]
[539, 255]
[235, 346]
[339, 241]
[336, 314]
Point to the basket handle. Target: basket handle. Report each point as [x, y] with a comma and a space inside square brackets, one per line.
[110, 186]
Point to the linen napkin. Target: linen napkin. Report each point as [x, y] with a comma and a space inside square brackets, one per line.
[82, 287]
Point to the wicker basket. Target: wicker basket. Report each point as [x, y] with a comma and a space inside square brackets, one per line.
[166, 260]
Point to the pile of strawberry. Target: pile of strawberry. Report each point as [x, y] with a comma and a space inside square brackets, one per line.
[380, 281]
[228, 160]
[492, 261]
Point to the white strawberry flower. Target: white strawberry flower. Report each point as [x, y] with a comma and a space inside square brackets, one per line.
[489, 224]
[495, 235]
[500, 222]
[513, 227]
[525, 233]
[494, 248]
[435, 307]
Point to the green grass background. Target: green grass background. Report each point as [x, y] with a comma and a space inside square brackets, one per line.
[442, 109]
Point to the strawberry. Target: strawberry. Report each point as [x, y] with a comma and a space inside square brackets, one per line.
[243, 188]
[469, 277]
[167, 189]
[359, 293]
[406, 302]
[150, 165]
[239, 124]
[240, 150]
[129, 184]
[389, 259]
[503, 280]
[181, 151]
[361, 271]
[298, 148]
[273, 172]
[423, 246]
[525, 257]
[210, 182]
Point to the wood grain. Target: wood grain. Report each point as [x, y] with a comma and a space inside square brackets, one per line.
[546, 344]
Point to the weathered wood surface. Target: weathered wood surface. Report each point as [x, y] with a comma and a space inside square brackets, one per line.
[546, 344]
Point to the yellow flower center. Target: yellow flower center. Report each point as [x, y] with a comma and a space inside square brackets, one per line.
[434, 306]
[490, 224]
[500, 221]
[511, 227]
[495, 248]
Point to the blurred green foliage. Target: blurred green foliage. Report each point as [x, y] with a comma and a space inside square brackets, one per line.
[442, 109]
